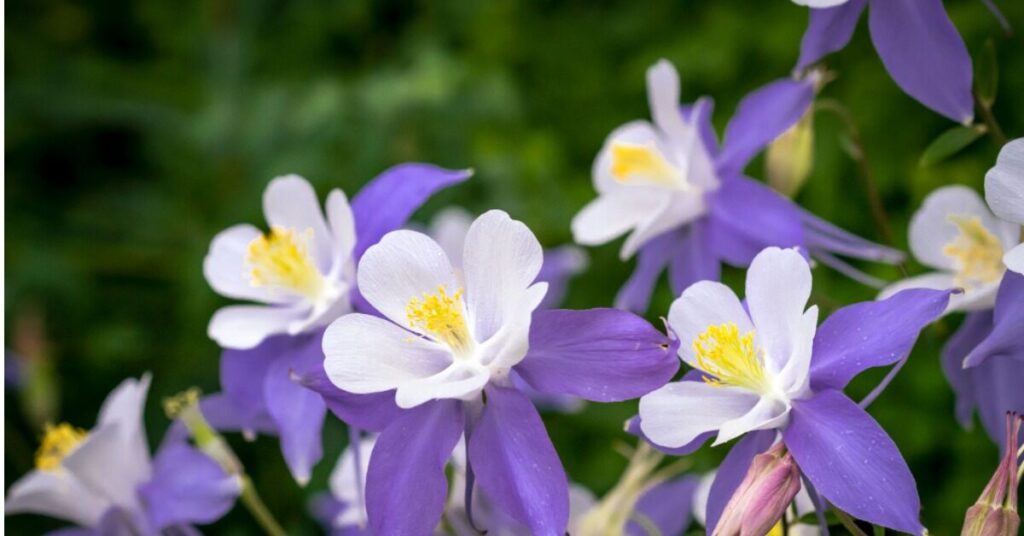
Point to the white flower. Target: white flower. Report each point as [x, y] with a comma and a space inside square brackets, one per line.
[301, 271]
[819, 3]
[1004, 191]
[446, 334]
[957, 235]
[80, 474]
[755, 365]
[650, 178]
[345, 483]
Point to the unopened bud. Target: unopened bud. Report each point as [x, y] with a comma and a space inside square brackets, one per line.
[995, 512]
[184, 407]
[761, 500]
[789, 158]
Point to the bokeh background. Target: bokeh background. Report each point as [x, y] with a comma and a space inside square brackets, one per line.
[137, 130]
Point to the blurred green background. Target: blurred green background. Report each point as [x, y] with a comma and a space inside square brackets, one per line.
[137, 130]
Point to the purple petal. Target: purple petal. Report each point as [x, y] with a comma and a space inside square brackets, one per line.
[1005, 340]
[604, 355]
[560, 264]
[975, 327]
[406, 486]
[372, 412]
[746, 217]
[871, 334]
[297, 412]
[732, 471]
[386, 202]
[705, 107]
[828, 31]
[187, 487]
[635, 295]
[924, 54]
[760, 118]
[242, 373]
[694, 260]
[852, 462]
[667, 505]
[516, 465]
[224, 415]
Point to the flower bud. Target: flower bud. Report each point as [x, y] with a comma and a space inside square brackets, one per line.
[995, 512]
[772, 482]
[789, 158]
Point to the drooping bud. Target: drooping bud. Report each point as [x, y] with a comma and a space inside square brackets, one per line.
[761, 500]
[184, 407]
[789, 158]
[995, 512]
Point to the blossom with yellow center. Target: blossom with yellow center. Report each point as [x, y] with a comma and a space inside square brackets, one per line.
[58, 442]
[976, 251]
[644, 164]
[281, 259]
[442, 317]
[730, 357]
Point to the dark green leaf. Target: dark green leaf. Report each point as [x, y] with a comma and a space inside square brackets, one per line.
[986, 74]
[950, 142]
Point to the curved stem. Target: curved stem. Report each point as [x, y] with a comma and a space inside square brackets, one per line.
[252, 501]
[994, 129]
[847, 522]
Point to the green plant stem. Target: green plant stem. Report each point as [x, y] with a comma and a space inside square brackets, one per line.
[847, 522]
[252, 501]
[994, 129]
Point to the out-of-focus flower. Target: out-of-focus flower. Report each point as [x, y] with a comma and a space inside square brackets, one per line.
[917, 42]
[446, 349]
[763, 497]
[789, 158]
[686, 204]
[1004, 191]
[103, 479]
[773, 370]
[995, 512]
[303, 271]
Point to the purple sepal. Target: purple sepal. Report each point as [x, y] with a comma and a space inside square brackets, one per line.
[746, 217]
[603, 355]
[187, 486]
[705, 107]
[516, 465]
[560, 264]
[761, 117]
[386, 202]
[732, 471]
[924, 54]
[829, 30]
[852, 462]
[871, 334]
[667, 506]
[406, 486]
[975, 327]
[694, 259]
[654, 256]
[242, 375]
[372, 412]
[1005, 340]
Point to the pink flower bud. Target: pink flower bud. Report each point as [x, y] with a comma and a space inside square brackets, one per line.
[763, 496]
[995, 512]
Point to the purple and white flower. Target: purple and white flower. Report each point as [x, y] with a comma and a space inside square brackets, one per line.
[685, 203]
[104, 480]
[917, 42]
[445, 349]
[1004, 192]
[303, 272]
[773, 370]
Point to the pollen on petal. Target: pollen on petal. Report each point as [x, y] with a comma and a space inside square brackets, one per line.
[281, 260]
[58, 442]
[977, 253]
[730, 357]
[441, 316]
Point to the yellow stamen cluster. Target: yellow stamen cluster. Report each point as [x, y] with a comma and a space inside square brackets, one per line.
[729, 357]
[977, 252]
[440, 316]
[58, 442]
[281, 259]
[175, 405]
[643, 164]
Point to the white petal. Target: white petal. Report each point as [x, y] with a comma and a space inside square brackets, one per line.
[99, 464]
[402, 266]
[767, 414]
[1004, 183]
[699, 502]
[614, 214]
[677, 413]
[1014, 259]
[978, 298]
[663, 98]
[225, 267]
[506, 348]
[931, 230]
[291, 202]
[58, 495]
[124, 407]
[794, 378]
[675, 209]
[344, 482]
[819, 3]
[448, 229]
[367, 354]
[501, 260]
[461, 380]
[778, 286]
[704, 304]
[245, 326]
[343, 227]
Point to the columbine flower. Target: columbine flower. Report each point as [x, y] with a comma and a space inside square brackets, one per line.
[303, 271]
[686, 204]
[772, 370]
[917, 42]
[446, 347]
[957, 235]
[103, 479]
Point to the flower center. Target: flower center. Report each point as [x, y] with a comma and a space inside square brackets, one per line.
[644, 164]
[977, 252]
[58, 442]
[281, 259]
[730, 358]
[441, 316]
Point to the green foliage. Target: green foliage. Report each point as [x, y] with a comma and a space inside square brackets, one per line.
[951, 142]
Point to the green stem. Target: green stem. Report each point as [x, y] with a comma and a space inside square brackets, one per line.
[847, 522]
[994, 129]
[252, 501]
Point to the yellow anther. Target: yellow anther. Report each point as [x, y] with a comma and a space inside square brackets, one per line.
[777, 530]
[441, 316]
[976, 251]
[175, 405]
[729, 357]
[639, 164]
[58, 442]
[281, 259]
